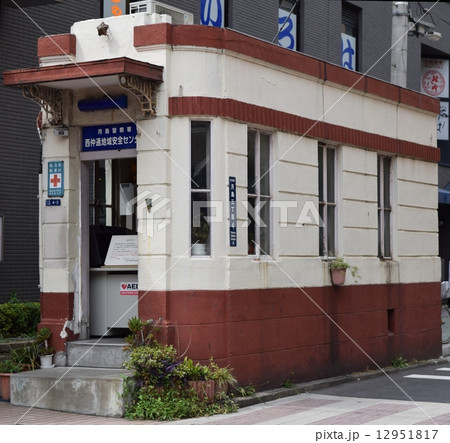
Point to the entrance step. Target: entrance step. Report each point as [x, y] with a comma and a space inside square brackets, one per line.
[97, 353]
[91, 391]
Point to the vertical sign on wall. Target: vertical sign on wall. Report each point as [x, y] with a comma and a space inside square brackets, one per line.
[287, 28]
[348, 51]
[212, 13]
[114, 8]
[434, 82]
[56, 179]
[233, 217]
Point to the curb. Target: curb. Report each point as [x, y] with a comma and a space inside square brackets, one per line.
[315, 385]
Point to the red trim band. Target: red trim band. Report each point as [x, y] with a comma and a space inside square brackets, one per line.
[236, 110]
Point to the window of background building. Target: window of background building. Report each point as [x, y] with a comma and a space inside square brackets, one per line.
[349, 37]
[200, 187]
[287, 24]
[258, 175]
[384, 207]
[327, 201]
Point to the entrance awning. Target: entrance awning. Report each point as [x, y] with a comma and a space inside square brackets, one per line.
[45, 84]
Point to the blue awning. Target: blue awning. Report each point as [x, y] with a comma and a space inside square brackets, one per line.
[444, 197]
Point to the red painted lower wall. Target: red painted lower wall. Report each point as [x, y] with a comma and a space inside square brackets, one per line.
[270, 336]
[56, 308]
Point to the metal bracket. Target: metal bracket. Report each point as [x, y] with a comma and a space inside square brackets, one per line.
[143, 89]
[50, 99]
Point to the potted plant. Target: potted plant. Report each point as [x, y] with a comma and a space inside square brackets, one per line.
[45, 352]
[7, 367]
[200, 237]
[223, 378]
[338, 268]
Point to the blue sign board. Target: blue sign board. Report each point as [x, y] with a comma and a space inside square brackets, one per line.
[56, 179]
[233, 215]
[212, 13]
[348, 52]
[104, 137]
[53, 202]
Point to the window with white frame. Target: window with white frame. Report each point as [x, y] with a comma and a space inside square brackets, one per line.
[200, 187]
[327, 200]
[384, 207]
[258, 175]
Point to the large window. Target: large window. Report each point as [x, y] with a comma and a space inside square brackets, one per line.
[200, 187]
[384, 207]
[258, 169]
[327, 201]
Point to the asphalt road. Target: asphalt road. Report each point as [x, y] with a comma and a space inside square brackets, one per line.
[425, 384]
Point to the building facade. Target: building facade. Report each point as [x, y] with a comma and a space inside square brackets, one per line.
[159, 138]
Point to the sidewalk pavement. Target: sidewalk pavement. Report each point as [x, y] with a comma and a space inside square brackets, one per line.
[298, 405]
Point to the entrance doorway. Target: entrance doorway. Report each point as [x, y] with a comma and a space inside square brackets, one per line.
[109, 195]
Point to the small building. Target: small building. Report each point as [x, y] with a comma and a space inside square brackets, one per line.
[159, 138]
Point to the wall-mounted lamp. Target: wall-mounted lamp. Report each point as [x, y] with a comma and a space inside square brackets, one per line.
[61, 132]
[102, 28]
[425, 29]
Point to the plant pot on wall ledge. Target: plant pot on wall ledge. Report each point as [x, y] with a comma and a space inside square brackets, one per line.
[338, 268]
[338, 276]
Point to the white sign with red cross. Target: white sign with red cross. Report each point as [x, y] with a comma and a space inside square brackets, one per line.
[56, 179]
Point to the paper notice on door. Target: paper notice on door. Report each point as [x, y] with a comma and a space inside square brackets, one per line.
[122, 251]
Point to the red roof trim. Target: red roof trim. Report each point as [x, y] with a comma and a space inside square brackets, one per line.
[61, 44]
[98, 68]
[254, 114]
[227, 39]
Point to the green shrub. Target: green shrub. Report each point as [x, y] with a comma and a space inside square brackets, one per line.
[19, 319]
[160, 387]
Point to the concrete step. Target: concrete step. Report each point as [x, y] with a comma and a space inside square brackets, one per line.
[96, 353]
[91, 391]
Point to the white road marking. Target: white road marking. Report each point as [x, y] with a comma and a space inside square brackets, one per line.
[429, 377]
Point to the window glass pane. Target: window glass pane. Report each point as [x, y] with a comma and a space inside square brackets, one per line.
[264, 215]
[321, 231]
[251, 227]
[200, 155]
[330, 230]
[200, 227]
[264, 154]
[380, 233]
[251, 162]
[387, 233]
[321, 196]
[387, 182]
[330, 176]
[379, 182]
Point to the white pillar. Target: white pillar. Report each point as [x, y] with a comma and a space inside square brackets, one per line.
[399, 51]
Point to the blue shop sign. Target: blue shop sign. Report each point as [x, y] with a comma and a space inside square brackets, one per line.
[104, 137]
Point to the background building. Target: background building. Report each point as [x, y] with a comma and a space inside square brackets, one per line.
[20, 147]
